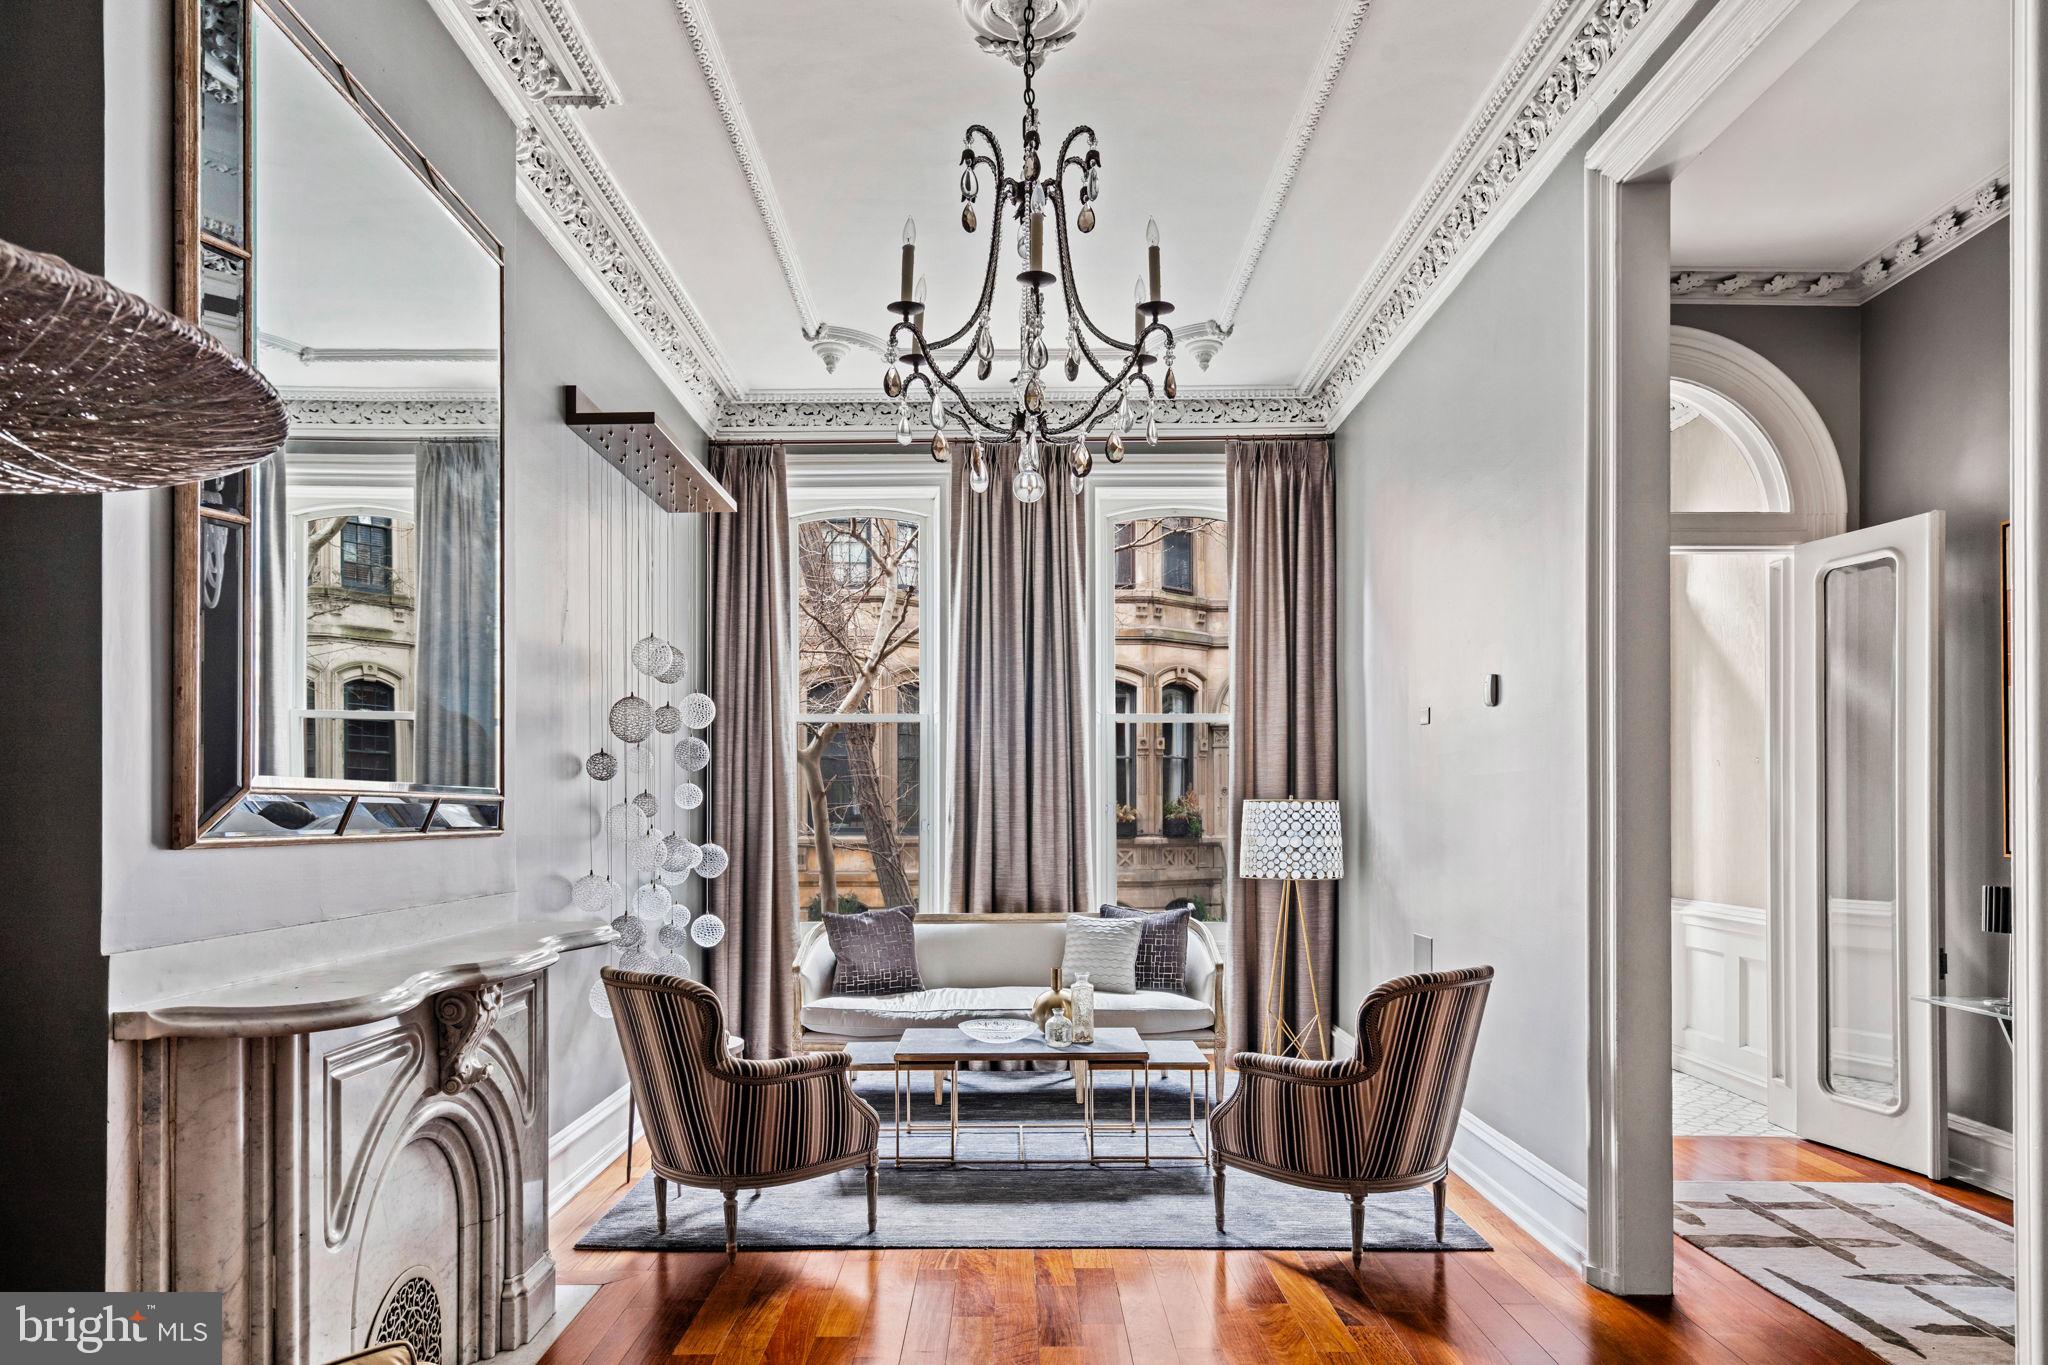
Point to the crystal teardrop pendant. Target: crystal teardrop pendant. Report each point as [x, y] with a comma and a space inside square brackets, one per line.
[1034, 395]
[969, 187]
[1151, 426]
[938, 411]
[977, 469]
[985, 342]
[939, 446]
[1073, 365]
[1172, 388]
[1040, 356]
[983, 366]
[1030, 163]
[892, 382]
[1114, 447]
[1029, 485]
[1094, 183]
[1086, 222]
[967, 219]
[903, 424]
[1081, 460]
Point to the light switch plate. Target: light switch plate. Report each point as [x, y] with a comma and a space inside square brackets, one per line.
[1425, 953]
[1425, 715]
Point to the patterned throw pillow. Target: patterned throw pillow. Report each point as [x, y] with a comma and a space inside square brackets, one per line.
[1106, 949]
[1163, 948]
[877, 952]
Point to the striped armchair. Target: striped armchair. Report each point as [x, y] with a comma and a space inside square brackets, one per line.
[720, 1122]
[1380, 1120]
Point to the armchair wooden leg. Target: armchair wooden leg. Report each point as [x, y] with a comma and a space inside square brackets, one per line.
[1439, 1189]
[871, 1197]
[732, 1224]
[660, 1204]
[1357, 1228]
[1217, 1185]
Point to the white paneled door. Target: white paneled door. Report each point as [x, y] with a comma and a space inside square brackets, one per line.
[1866, 746]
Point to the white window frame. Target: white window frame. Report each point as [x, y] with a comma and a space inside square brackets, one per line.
[861, 484]
[1189, 483]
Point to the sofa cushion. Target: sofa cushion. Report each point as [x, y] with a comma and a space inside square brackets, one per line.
[1152, 1013]
[876, 951]
[1162, 948]
[1104, 950]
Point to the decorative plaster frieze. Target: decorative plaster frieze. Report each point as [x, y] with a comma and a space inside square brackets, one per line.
[778, 414]
[696, 21]
[1307, 116]
[1941, 232]
[355, 409]
[620, 257]
[1572, 45]
[541, 46]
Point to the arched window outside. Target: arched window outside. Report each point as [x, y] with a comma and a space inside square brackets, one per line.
[369, 748]
[1126, 754]
[1177, 747]
[1177, 557]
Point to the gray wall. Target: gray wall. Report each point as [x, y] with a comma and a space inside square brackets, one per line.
[1820, 349]
[1934, 437]
[1461, 523]
[53, 986]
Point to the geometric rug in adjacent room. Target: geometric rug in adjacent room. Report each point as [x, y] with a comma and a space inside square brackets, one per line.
[1909, 1275]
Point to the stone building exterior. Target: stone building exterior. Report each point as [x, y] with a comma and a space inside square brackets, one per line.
[361, 629]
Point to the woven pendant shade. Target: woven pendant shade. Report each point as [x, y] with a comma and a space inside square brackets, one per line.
[101, 390]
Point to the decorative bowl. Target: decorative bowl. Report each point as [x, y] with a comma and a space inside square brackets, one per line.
[995, 1030]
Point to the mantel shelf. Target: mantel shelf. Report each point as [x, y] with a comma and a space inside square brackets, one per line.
[642, 449]
[366, 989]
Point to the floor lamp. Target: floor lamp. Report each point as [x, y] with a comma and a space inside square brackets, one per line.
[1291, 842]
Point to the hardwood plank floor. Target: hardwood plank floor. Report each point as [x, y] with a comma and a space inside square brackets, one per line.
[1516, 1304]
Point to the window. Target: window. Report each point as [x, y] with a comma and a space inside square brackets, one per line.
[312, 729]
[1164, 663]
[1177, 557]
[860, 736]
[369, 750]
[366, 555]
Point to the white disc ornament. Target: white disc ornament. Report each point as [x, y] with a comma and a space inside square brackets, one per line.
[647, 804]
[672, 936]
[632, 933]
[591, 894]
[651, 902]
[601, 766]
[631, 719]
[644, 853]
[681, 855]
[699, 711]
[693, 755]
[600, 1000]
[689, 796]
[640, 761]
[624, 821]
[707, 930]
[674, 964]
[639, 961]
[714, 862]
[667, 719]
[677, 665]
[651, 655]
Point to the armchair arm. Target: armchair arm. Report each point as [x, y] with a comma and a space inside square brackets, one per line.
[770, 1070]
[1301, 1070]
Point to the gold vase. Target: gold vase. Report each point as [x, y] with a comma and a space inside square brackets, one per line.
[1048, 1001]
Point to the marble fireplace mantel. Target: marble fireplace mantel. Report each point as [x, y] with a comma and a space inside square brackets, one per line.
[363, 990]
[352, 1151]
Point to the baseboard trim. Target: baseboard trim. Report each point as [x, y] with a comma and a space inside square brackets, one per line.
[1714, 1073]
[585, 1146]
[1980, 1155]
[1539, 1198]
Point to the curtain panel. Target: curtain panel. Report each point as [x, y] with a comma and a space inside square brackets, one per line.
[751, 811]
[1283, 536]
[1019, 810]
[455, 697]
[280, 678]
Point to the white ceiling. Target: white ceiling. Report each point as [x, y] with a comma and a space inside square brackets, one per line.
[857, 114]
[356, 253]
[1896, 112]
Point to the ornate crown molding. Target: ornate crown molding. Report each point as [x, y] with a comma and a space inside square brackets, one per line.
[542, 49]
[999, 26]
[1574, 43]
[415, 411]
[1934, 236]
[696, 22]
[1308, 116]
[1203, 410]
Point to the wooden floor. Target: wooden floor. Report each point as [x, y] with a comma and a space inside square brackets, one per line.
[1517, 1303]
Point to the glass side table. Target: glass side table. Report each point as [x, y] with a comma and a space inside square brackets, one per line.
[1998, 1007]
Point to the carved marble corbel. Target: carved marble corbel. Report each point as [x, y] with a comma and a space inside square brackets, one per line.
[464, 1019]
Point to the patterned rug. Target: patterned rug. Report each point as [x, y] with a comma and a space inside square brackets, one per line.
[1905, 1273]
[1070, 1204]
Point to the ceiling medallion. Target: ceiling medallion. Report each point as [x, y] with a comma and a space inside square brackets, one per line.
[999, 26]
[1037, 425]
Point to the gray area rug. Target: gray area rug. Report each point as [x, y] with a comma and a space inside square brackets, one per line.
[1070, 1205]
[1905, 1273]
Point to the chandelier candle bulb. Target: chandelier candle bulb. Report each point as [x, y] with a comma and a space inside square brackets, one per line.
[909, 254]
[1038, 241]
[1152, 255]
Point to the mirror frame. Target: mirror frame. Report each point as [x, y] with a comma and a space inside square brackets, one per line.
[193, 814]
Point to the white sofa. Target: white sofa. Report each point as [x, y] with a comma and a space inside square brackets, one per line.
[980, 966]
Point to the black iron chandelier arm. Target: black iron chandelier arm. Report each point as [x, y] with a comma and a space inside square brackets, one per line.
[1072, 295]
[1088, 415]
[967, 406]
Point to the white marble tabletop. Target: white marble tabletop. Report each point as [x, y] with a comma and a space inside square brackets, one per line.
[365, 989]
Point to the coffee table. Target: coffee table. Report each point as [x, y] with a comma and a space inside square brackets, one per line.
[942, 1051]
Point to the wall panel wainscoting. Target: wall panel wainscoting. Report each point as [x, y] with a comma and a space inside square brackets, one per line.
[1720, 995]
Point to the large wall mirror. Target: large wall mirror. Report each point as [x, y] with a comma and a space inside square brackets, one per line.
[339, 642]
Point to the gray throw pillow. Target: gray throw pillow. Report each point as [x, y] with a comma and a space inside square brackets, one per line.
[1106, 949]
[877, 952]
[1162, 949]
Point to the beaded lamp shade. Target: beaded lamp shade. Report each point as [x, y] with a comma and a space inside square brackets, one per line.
[101, 390]
[1291, 841]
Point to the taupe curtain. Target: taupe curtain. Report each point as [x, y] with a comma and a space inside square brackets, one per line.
[1020, 823]
[749, 810]
[280, 678]
[455, 694]
[1283, 713]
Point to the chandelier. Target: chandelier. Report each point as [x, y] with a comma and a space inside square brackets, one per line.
[920, 370]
